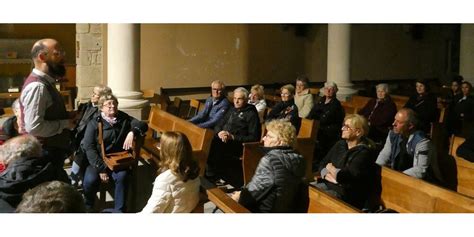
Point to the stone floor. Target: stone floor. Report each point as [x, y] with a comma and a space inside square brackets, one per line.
[143, 190]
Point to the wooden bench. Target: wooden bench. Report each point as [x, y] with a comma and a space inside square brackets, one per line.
[305, 143]
[399, 100]
[162, 121]
[321, 202]
[464, 168]
[406, 194]
[356, 103]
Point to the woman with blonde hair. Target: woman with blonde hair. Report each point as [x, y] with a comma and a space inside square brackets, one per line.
[257, 98]
[278, 184]
[176, 189]
[348, 170]
[286, 109]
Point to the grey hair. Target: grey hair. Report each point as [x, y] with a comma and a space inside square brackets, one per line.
[382, 86]
[103, 90]
[104, 98]
[218, 82]
[243, 91]
[412, 117]
[20, 146]
[331, 84]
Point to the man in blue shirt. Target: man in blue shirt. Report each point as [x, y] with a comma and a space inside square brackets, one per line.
[214, 108]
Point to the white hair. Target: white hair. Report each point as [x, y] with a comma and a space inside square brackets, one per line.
[382, 86]
[331, 84]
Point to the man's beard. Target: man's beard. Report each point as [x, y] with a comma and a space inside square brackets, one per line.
[56, 70]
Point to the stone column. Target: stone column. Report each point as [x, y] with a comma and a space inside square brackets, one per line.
[338, 70]
[466, 54]
[123, 67]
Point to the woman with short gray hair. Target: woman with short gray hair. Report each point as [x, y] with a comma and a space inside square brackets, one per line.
[379, 112]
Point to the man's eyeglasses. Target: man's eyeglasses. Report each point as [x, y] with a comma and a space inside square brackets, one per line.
[61, 53]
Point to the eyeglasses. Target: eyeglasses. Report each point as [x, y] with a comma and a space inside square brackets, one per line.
[61, 53]
[110, 104]
[347, 127]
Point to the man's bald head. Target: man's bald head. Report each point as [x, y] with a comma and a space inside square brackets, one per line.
[42, 46]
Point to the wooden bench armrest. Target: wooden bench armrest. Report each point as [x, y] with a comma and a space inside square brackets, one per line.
[321, 202]
[221, 199]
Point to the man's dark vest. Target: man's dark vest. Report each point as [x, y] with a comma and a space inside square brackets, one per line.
[56, 111]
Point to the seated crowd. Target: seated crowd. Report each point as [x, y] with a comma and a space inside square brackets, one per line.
[347, 150]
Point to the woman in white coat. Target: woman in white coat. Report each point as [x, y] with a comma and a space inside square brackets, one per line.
[176, 189]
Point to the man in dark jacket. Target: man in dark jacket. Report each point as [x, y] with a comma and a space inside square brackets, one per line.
[240, 124]
[330, 114]
[215, 107]
[25, 168]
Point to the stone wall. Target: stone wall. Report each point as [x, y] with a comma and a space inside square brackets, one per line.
[89, 53]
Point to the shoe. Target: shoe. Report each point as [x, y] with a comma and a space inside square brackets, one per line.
[75, 180]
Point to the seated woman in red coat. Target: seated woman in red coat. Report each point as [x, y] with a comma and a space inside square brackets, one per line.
[348, 170]
[379, 112]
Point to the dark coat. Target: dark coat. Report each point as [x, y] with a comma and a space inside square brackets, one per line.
[243, 123]
[278, 183]
[426, 108]
[8, 129]
[286, 110]
[330, 116]
[357, 172]
[23, 174]
[113, 136]
[212, 113]
[380, 118]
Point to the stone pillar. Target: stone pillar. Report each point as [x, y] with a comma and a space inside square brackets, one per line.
[123, 67]
[338, 69]
[466, 54]
[89, 67]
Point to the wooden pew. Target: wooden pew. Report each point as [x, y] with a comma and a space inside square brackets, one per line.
[399, 100]
[221, 199]
[162, 121]
[406, 194]
[305, 142]
[465, 169]
[319, 202]
[356, 103]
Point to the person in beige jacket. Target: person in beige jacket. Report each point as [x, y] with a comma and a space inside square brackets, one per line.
[176, 189]
[303, 99]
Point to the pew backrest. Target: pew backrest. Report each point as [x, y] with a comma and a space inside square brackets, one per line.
[399, 100]
[321, 202]
[406, 194]
[305, 143]
[200, 138]
[464, 168]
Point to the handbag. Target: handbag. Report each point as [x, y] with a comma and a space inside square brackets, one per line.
[118, 160]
